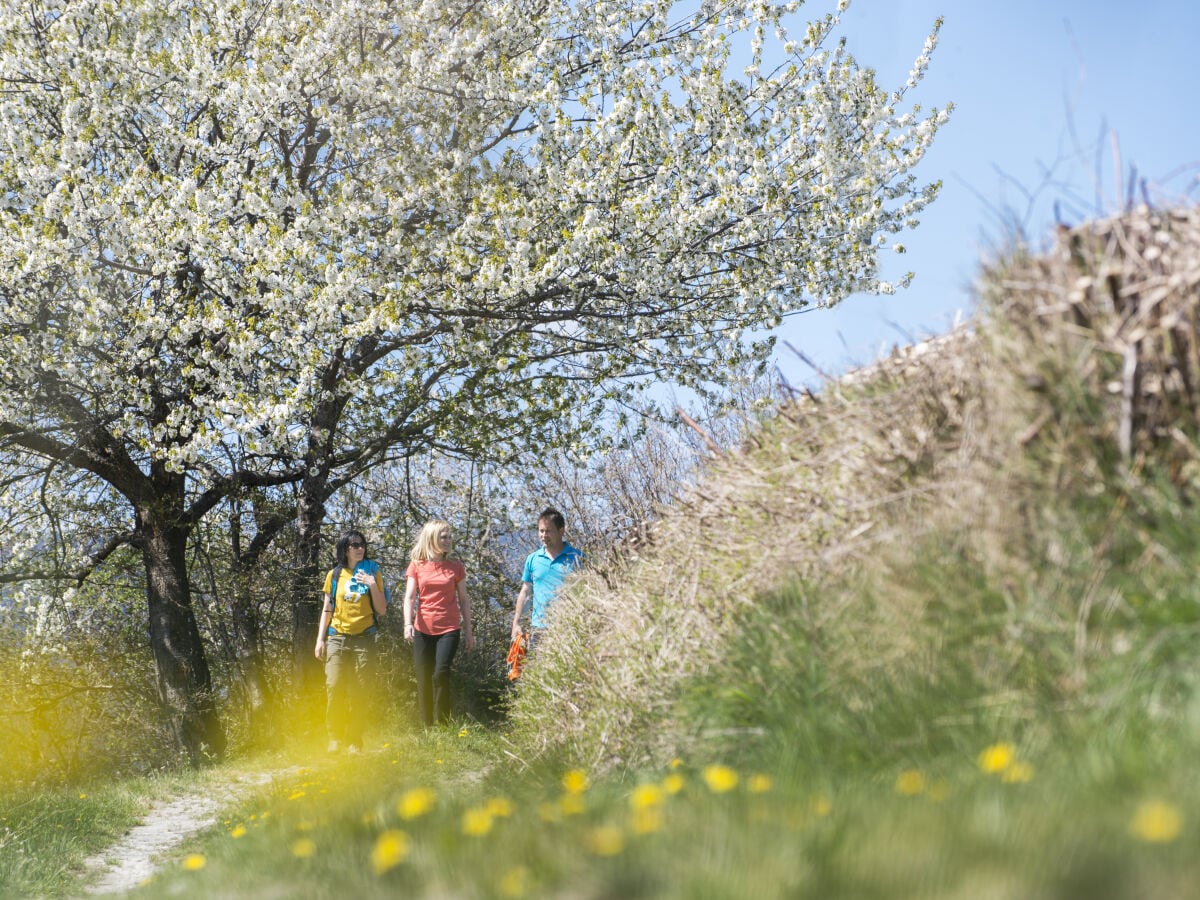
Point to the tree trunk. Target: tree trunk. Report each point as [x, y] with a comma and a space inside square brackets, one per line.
[306, 584]
[247, 627]
[181, 666]
[247, 635]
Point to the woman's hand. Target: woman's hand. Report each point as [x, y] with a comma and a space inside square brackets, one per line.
[319, 652]
[408, 632]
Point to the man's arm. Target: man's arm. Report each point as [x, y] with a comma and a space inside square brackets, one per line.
[522, 599]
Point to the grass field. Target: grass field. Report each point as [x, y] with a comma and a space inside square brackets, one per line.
[451, 814]
[933, 634]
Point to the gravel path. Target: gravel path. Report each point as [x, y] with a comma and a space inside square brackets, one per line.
[128, 863]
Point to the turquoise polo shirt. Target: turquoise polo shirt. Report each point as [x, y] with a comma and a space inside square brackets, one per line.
[546, 576]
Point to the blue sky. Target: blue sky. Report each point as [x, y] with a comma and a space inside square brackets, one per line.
[1042, 89]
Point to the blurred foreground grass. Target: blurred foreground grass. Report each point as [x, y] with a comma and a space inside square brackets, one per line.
[447, 815]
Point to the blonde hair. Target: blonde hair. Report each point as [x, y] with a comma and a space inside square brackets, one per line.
[426, 546]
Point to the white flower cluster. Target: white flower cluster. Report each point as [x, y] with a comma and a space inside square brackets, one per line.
[213, 215]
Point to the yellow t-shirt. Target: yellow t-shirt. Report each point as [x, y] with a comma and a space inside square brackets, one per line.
[352, 613]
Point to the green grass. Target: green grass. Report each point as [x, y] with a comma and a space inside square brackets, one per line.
[47, 833]
[969, 755]
[1052, 827]
[972, 754]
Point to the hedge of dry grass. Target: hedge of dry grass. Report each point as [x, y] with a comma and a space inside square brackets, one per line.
[1080, 374]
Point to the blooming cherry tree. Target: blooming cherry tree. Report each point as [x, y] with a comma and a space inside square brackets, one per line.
[260, 242]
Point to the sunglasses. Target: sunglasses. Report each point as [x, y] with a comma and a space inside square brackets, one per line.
[357, 545]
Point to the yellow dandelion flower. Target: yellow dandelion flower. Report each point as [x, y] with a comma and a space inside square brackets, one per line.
[911, 782]
[416, 803]
[996, 758]
[1156, 822]
[645, 796]
[303, 848]
[515, 882]
[673, 783]
[194, 862]
[720, 778]
[500, 807]
[646, 820]
[570, 805]
[606, 840]
[676, 763]
[1019, 772]
[296, 795]
[476, 822]
[237, 831]
[83, 796]
[759, 784]
[391, 849]
[575, 781]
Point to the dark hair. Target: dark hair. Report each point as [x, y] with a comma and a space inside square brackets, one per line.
[552, 515]
[343, 546]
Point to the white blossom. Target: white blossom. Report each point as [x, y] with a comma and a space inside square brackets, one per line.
[205, 208]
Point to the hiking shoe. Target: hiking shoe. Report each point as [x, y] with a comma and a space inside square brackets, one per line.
[332, 748]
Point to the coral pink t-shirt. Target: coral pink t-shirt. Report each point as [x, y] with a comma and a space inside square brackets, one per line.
[437, 607]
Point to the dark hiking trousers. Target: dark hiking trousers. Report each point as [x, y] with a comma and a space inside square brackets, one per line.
[432, 655]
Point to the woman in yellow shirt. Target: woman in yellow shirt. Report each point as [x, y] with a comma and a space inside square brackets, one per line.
[353, 603]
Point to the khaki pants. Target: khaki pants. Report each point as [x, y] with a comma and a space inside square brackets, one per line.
[348, 686]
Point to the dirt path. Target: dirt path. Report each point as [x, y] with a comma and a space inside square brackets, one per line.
[128, 863]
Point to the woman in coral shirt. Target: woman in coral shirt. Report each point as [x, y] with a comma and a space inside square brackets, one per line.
[435, 622]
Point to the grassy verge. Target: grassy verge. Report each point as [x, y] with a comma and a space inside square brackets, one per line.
[448, 814]
[46, 834]
[983, 751]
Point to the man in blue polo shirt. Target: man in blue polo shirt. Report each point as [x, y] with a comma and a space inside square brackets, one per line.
[544, 572]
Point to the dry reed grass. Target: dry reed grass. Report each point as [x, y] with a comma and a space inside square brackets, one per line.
[1083, 366]
[1113, 312]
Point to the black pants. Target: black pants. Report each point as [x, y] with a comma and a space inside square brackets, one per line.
[432, 655]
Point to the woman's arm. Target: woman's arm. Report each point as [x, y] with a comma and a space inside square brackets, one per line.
[323, 627]
[464, 606]
[410, 591]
